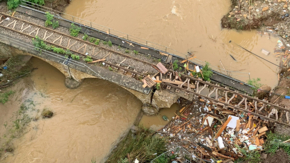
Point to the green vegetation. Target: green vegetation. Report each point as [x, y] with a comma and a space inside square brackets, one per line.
[55, 24]
[74, 30]
[164, 159]
[105, 42]
[14, 129]
[49, 18]
[97, 42]
[92, 39]
[85, 37]
[175, 65]
[274, 142]
[110, 43]
[127, 51]
[5, 96]
[141, 145]
[157, 86]
[135, 52]
[206, 72]
[255, 83]
[12, 4]
[40, 44]
[110, 68]
[88, 59]
[75, 57]
[159, 60]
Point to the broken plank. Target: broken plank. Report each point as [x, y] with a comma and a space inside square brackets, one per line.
[99, 60]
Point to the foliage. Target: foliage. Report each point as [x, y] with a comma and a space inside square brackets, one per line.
[175, 65]
[49, 18]
[85, 37]
[157, 86]
[105, 42]
[126, 51]
[207, 72]
[251, 157]
[164, 158]
[135, 52]
[92, 39]
[255, 83]
[88, 59]
[5, 96]
[74, 30]
[39, 44]
[274, 142]
[75, 57]
[97, 42]
[141, 146]
[12, 4]
[55, 24]
[110, 43]
[110, 68]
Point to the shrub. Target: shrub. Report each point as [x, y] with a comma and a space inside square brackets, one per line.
[135, 52]
[255, 83]
[110, 43]
[75, 57]
[88, 59]
[74, 30]
[12, 4]
[55, 24]
[97, 42]
[49, 18]
[175, 65]
[105, 42]
[85, 37]
[207, 72]
[92, 39]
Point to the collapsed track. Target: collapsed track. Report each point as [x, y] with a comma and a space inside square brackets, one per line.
[185, 86]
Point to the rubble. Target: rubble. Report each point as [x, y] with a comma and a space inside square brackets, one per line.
[214, 135]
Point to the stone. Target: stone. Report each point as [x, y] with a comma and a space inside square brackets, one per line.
[149, 109]
[134, 129]
[263, 91]
[264, 156]
[164, 99]
[71, 83]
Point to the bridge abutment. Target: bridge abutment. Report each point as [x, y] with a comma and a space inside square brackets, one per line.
[72, 83]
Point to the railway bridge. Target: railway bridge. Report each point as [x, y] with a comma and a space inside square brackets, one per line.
[144, 71]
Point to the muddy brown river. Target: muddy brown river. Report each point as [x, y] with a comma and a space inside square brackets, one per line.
[186, 25]
[87, 122]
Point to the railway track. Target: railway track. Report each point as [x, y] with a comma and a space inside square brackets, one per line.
[222, 98]
[216, 96]
[114, 59]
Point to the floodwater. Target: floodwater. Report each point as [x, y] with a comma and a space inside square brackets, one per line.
[87, 122]
[186, 25]
[157, 122]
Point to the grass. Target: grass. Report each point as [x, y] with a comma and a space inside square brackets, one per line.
[92, 39]
[175, 65]
[14, 129]
[142, 146]
[74, 30]
[110, 43]
[110, 68]
[97, 42]
[127, 51]
[135, 52]
[274, 142]
[5, 96]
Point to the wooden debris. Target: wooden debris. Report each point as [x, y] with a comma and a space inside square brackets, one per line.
[263, 129]
[162, 68]
[223, 127]
[150, 83]
[144, 48]
[99, 60]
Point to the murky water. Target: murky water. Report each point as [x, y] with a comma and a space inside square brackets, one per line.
[157, 122]
[186, 25]
[87, 122]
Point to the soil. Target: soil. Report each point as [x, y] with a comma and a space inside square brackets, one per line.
[280, 156]
[58, 5]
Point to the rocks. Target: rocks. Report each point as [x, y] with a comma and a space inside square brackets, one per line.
[265, 8]
[149, 109]
[263, 91]
[134, 129]
[71, 83]
[164, 99]
[46, 113]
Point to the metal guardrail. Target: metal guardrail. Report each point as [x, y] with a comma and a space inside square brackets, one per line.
[125, 36]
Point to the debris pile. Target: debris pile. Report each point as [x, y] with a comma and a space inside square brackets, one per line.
[213, 135]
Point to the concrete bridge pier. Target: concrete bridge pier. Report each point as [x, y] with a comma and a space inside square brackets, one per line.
[72, 83]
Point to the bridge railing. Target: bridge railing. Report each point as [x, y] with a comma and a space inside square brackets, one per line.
[130, 38]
